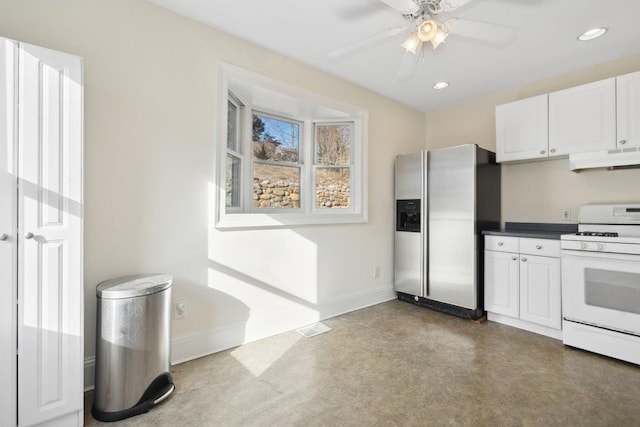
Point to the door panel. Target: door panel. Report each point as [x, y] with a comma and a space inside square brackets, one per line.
[8, 227]
[50, 262]
[501, 283]
[540, 299]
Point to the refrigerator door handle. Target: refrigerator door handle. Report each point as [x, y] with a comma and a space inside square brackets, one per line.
[425, 222]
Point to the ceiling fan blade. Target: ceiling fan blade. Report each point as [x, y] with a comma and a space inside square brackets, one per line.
[403, 6]
[449, 5]
[485, 32]
[409, 63]
[357, 45]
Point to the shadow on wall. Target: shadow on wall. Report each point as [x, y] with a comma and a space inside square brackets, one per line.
[210, 307]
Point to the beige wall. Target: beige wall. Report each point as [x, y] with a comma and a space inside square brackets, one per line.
[537, 191]
[150, 106]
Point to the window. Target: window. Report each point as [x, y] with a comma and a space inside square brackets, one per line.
[275, 146]
[234, 158]
[333, 165]
[289, 156]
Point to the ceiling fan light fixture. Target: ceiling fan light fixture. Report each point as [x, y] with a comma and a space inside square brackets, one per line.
[591, 34]
[411, 43]
[427, 30]
[440, 37]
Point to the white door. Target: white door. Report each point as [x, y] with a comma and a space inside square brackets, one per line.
[8, 229]
[628, 98]
[540, 293]
[501, 283]
[583, 118]
[522, 129]
[50, 362]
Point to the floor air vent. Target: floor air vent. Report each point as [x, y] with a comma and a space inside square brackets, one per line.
[313, 330]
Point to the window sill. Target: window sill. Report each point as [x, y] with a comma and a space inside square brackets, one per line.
[257, 220]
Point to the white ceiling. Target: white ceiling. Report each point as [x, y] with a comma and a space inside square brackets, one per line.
[546, 44]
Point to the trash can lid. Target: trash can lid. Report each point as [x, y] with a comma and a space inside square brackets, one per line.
[134, 286]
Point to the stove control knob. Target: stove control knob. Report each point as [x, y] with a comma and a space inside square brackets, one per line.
[583, 246]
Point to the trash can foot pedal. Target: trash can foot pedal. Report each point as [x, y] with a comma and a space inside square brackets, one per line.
[157, 391]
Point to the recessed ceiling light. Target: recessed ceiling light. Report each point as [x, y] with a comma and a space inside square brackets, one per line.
[591, 34]
[440, 85]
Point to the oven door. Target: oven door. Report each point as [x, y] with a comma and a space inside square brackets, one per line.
[602, 290]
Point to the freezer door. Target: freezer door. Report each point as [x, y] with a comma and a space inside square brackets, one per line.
[451, 224]
[409, 176]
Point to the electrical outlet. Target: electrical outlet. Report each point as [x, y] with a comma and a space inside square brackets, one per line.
[376, 272]
[179, 310]
[565, 214]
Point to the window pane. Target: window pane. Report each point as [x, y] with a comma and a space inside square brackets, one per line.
[232, 126]
[232, 184]
[275, 139]
[333, 187]
[276, 186]
[333, 144]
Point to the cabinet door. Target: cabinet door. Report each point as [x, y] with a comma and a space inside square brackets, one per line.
[628, 101]
[8, 227]
[540, 290]
[522, 129]
[50, 318]
[583, 118]
[501, 276]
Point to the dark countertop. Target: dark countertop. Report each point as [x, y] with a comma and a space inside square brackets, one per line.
[535, 230]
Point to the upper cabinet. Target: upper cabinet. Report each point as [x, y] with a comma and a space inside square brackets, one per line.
[583, 118]
[598, 116]
[628, 103]
[522, 129]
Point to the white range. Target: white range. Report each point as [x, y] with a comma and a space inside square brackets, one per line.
[601, 281]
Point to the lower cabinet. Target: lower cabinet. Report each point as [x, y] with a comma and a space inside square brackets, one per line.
[522, 283]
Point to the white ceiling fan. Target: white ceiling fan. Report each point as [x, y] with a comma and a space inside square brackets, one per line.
[426, 26]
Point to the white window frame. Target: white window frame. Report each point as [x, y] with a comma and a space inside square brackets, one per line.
[274, 98]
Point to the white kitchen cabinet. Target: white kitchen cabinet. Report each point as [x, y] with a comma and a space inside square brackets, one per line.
[628, 110]
[41, 260]
[583, 118]
[502, 283]
[522, 130]
[540, 293]
[522, 283]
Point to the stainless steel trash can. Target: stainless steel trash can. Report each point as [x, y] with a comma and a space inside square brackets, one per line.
[133, 346]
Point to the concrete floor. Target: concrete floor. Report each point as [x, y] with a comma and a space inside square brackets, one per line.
[396, 364]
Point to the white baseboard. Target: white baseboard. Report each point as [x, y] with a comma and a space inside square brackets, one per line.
[257, 327]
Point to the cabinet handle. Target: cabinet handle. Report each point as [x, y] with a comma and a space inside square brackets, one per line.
[29, 235]
[553, 150]
[4, 236]
[514, 258]
[523, 259]
[623, 141]
[538, 247]
[500, 243]
[542, 151]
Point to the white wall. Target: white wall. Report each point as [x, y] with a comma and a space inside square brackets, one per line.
[150, 100]
[537, 191]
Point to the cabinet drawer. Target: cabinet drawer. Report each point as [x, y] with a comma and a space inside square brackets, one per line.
[542, 247]
[501, 244]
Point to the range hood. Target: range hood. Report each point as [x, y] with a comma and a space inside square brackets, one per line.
[625, 158]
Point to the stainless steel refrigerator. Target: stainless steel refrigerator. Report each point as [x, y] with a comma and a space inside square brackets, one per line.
[444, 199]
